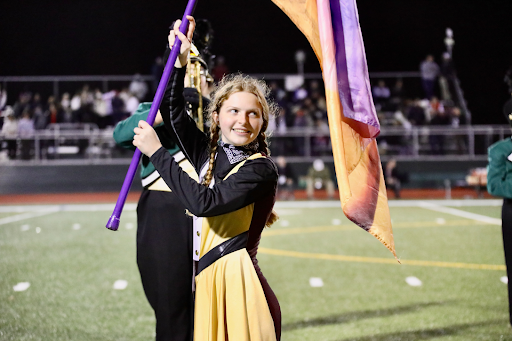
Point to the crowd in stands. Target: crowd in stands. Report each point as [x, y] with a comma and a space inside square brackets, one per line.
[85, 106]
[303, 107]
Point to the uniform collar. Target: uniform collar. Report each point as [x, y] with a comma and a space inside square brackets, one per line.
[236, 154]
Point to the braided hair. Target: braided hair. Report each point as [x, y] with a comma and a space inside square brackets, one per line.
[227, 86]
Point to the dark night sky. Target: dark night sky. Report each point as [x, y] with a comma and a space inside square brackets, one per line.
[123, 37]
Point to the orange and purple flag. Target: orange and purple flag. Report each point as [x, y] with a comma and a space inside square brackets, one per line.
[332, 28]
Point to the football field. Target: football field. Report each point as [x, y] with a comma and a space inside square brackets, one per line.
[64, 276]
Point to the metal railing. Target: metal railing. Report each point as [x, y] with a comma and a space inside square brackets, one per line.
[86, 144]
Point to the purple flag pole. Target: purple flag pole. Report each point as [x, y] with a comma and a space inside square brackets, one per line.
[113, 222]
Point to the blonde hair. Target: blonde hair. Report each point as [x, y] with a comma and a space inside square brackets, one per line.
[227, 86]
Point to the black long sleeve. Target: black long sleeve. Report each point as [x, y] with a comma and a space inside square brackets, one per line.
[182, 128]
[254, 180]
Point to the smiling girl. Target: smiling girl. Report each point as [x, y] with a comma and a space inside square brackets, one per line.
[231, 205]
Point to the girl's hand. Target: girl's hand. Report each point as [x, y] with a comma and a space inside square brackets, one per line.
[146, 139]
[185, 40]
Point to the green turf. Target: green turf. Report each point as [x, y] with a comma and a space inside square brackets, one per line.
[72, 271]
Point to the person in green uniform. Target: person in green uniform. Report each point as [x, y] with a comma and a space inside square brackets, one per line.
[164, 239]
[499, 183]
[165, 247]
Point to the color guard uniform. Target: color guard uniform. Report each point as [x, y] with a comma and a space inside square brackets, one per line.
[233, 299]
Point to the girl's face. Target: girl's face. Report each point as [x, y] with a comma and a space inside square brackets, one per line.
[240, 118]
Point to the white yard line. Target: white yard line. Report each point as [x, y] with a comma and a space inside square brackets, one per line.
[279, 204]
[392, 203]
[453, 211]
[64, 208]
[27, 215]
[447, 202]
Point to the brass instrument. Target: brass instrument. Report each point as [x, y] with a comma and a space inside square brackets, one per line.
[198, 77]
[196, 69]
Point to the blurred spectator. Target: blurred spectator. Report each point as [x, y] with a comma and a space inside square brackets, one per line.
[65, 101]
[458, 120]
[300, 94]
[86, 97]
[279, 143]
[118, 105]
[415, 113]
[220, 69]
[439, 117]
[319, 177]
[124, 94]
[10, 132]
[3, 97]
[276, 93]
[26, 134]
[301, 120]
[22, 103]
[86, 111]
[75, 104]
[321, 142]
[394, 178]
[433, 107]
[405, 141]
[429, 72]
[41, 118]
[138, 87]
[132, 103]
[381, 95]
[397, 96]
[285, 181]
[313, 111]
[100, 110]
[36, 101]
[65, 105]
[53, 114]
[314, 86]
[156, 72]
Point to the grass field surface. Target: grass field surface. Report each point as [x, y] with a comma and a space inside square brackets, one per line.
[64, 276]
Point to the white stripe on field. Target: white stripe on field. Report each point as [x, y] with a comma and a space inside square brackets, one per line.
[279, 204]
[453, 211]
[447, 202]
[392, 203]
[24, 216]
[64, 208]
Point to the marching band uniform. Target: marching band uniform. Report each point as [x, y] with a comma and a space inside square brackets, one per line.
[164, 237]
[233, 299]
[499, 183]
[164, 232]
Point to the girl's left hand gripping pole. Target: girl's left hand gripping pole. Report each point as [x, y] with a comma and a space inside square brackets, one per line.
[113, 222]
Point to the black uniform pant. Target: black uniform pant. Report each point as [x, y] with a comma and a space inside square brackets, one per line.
[164, 258]
[506, 218]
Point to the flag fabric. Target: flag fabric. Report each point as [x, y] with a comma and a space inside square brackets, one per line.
[333, 30]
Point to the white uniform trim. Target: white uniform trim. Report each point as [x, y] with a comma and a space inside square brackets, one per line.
[148, 180]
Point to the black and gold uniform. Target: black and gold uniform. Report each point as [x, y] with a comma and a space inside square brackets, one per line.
[233, 298]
